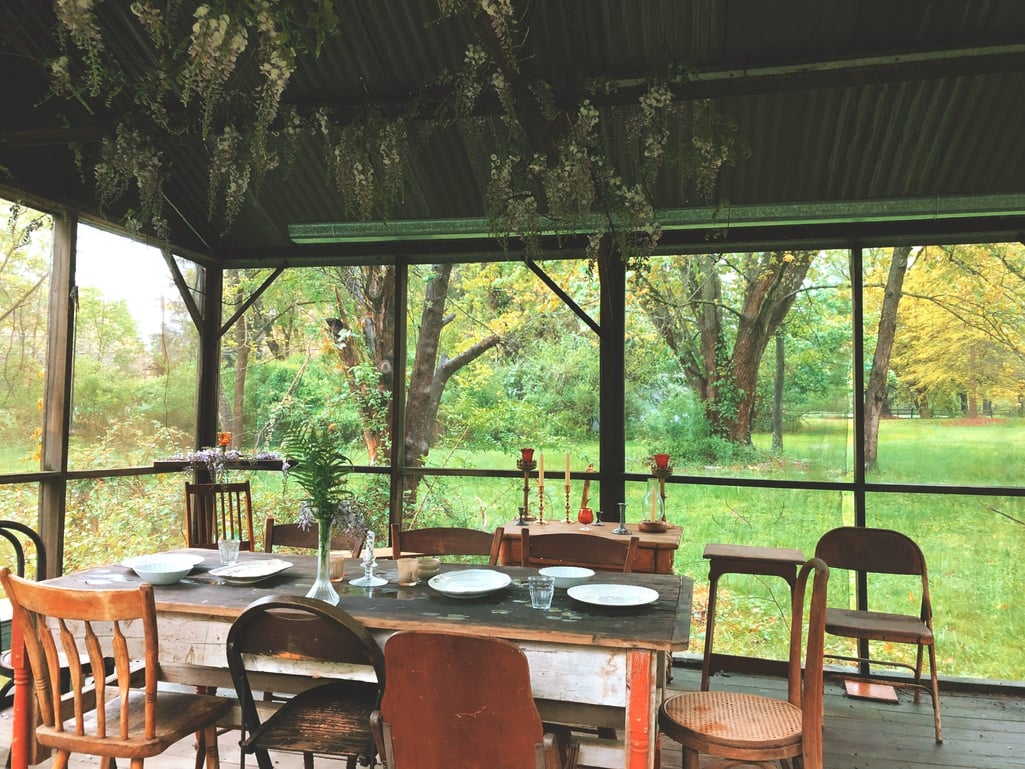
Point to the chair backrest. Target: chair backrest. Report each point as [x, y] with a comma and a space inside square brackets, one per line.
[213, 510]
[290, 628]
[62, 627]
[445, 540]
[805, 691]
[27, 547]
[458, 698]
[575, 549]
[880, 551]
[292, 535]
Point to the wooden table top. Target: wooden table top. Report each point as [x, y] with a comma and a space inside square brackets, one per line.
[663, 624]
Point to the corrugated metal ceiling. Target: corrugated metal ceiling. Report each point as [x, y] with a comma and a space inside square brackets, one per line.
[858, 110]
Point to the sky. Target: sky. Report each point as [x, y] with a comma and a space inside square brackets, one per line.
[122, 268]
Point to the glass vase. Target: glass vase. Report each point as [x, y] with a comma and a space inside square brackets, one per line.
[322, 588]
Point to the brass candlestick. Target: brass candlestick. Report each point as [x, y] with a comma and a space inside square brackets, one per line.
[526, 466]
[567, 505]
[541, 502]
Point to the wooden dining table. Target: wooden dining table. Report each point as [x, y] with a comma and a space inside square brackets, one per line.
[591, 663]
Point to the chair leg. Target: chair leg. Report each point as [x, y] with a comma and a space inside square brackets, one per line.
[935, 694]
[690, 758]
[213, 753]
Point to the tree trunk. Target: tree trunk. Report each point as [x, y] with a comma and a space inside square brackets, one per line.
[777, 393]
[772, 286]
[875, 390]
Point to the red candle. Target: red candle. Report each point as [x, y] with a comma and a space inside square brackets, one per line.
[661, 461]
[527, 455]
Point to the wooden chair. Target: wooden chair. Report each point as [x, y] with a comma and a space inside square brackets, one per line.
[110, 718]
[572, 549]
[213, 510]
[882, 551]
[444, 540]
[323, 718]
[294, 536]
[461, 700]
[26, 549]
[750, 729]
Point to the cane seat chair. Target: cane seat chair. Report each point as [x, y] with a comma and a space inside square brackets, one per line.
[461, 700]
[332, 718]
[446, 540]
[572, 549]
[110, 717]
[883, 551]
[743, 729]
[215, 510]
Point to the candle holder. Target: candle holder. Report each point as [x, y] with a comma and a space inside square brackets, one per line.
[526, 466]
[541, 505]
[621, 528]
[369, 564]
[567, 505]
[662, 470]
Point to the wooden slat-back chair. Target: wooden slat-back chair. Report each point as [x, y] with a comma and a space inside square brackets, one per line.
[294, 536]
[753, 730]
[461, 700]
[214, 510]
[883, 551]
[110, 718]
[446, 540]
[573, 549]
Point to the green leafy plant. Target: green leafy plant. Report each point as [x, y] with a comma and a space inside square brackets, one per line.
[318, 464]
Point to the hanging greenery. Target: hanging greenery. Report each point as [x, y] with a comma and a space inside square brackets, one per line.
[226, 82]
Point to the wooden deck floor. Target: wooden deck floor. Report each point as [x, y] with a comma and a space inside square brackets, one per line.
[981, 731]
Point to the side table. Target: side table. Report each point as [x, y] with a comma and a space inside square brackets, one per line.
[779, 562]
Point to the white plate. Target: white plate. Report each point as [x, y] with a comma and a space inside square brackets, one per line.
[131, 563]
[248, 572]
[469, 583]
[613, 595]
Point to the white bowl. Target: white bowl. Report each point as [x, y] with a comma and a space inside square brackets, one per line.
[163, 569]
[567, 576]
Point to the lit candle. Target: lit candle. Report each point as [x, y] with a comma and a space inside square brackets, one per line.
[567, 469]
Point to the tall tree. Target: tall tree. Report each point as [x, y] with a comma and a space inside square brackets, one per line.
[363, 334]
[875, 390]
[719, 343]
[960, 329]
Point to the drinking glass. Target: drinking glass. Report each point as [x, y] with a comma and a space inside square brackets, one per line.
[541, 590]
[228, 549]
[586, 517]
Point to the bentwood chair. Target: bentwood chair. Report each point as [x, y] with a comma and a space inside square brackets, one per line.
[461, 700]
[882, 551]
[26, 549]
[331, 718]
[214, 510]
[444, 540]
[572, 549]
[293, 536]
[112, 717]
[750, 729]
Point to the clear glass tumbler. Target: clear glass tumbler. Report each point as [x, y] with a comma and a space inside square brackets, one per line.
[541, 590]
